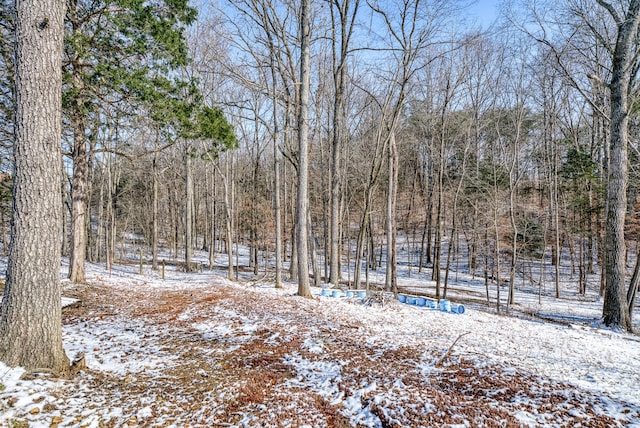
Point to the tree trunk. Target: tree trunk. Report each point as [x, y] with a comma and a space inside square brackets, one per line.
[302, 235]
[362, 232]
[293, 262]
[78, 245]
[227, 181]
[390, 277]
[30, 314]
[345, 22]
[556, 220]
[99, 242]
[615, 309]
[277, 205]
[514, 240]
[633, 286]
[88, 216]
[154, 226]
[317, 280]
[334, 228]
[435, 274]
[188, 213]
[214, 222]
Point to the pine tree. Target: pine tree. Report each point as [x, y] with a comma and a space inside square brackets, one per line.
[30, 315]
[123, 53]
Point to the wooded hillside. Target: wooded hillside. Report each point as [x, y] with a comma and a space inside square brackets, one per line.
[479, 149]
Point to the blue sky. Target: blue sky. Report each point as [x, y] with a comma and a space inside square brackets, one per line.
[485, 11]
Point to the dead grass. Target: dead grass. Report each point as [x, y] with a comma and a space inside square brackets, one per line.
[219, 381]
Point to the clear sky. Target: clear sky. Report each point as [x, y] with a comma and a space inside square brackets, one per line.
[484, 11]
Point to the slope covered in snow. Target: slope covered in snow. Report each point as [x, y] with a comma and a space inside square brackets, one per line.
[197, 350]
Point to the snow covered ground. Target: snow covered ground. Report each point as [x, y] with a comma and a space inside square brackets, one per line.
[197, 350]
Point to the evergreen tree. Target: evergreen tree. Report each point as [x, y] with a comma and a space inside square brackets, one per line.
[122, 53]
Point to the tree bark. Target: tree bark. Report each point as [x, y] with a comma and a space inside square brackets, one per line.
[392, 188]
[30, 315]
[188, 212]
[78, 247]
[228, 209]
[277, 204]
[633, 286]
[615, 309]
[345, 20]
[302, 235]
[154, 226]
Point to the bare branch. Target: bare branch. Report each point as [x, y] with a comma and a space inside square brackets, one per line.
[612, 11]
[444, 357]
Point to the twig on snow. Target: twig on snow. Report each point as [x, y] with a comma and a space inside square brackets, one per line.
[444, 357]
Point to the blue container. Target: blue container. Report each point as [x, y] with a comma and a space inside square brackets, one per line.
[325, 292]
[431, 304]
[362, 294]
[411, 300]
[458, 309]
[402, 298]
[350, 293]
[445, 305]
[421, 301]
[336, 293]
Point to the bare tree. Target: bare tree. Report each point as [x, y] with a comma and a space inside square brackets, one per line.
[617, 33]
[302, 206]
[411, 27]
[343, 15]
[623, 72]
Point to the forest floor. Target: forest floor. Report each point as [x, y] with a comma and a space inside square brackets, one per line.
[196, 350]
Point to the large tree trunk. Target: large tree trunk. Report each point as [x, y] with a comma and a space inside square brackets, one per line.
[30, 315]
[302, 235]
[615, 310]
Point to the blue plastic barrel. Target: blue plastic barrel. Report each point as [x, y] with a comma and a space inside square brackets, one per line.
[445, 305]
[458, 309]
[402, 298]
